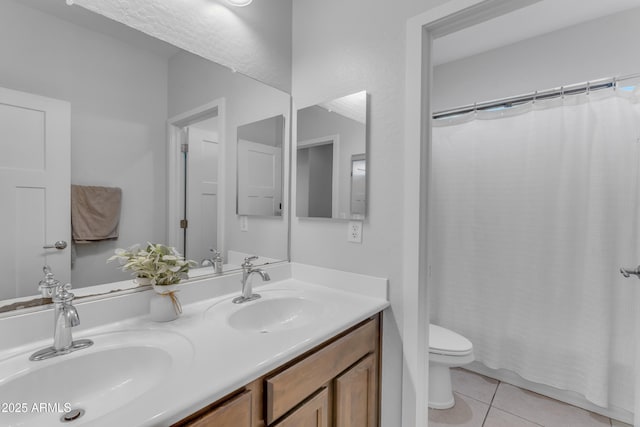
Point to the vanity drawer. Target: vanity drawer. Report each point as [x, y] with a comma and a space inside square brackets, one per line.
[235, 412]
[291, 386]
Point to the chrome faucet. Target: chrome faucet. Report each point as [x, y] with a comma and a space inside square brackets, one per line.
[215, 261]
[65, 317]
[247, 272]
[49, 284]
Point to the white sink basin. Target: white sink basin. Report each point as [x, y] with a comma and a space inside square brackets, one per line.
[274, 314]
[109, 375]
[276, 310]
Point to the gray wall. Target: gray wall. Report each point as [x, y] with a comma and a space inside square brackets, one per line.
[365, 50]
[267, 131]
[596, 49]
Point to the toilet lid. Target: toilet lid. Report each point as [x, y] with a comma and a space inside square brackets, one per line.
[444, 341]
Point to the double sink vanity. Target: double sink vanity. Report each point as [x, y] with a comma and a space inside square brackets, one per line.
[306, 351]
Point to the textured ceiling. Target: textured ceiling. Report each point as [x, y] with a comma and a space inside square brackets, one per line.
[352, 106]
[253, 40]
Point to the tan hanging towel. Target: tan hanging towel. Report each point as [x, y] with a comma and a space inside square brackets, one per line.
[95, 213]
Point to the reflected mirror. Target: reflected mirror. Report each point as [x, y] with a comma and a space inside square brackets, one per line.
[260, 152]
[331, 166]
[91, 102]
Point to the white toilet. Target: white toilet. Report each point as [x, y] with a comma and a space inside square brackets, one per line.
[447, 349]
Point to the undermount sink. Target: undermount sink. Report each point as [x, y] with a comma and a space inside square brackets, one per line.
[119, 367]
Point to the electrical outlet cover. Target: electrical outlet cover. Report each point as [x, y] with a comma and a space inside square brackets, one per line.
[355, 232]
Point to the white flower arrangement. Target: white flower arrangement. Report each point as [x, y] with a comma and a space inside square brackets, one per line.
[161, 265]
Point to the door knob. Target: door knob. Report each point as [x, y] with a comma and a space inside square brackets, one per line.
[60, 245]
[627, 272]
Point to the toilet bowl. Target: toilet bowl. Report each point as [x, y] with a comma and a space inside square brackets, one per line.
[447, 349]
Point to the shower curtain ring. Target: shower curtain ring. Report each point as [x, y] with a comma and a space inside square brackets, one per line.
[588, 87]
[614, 83]
[562, 92]
[535, 96]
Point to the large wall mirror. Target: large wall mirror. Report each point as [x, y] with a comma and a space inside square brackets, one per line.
[157, 123]
[331, 166]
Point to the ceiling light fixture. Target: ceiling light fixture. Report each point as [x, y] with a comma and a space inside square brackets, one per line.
[239, 3]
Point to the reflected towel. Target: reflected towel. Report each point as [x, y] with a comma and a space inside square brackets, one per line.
[95, 213]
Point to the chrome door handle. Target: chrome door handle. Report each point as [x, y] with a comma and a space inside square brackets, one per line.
[60, 245]
[627, 272]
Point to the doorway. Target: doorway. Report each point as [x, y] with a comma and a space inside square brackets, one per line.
[421, 32]
[317, 174]
[196, 181]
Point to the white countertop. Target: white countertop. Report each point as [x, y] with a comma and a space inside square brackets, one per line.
[223, 359]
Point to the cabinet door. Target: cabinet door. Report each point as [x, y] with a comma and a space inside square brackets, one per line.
[314, 413]
[233, 413]
[356, 395]
[288, 388]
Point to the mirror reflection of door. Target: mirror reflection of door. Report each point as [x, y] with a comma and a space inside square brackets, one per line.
[316, 178]
[358, 185]
[259, 179]
[201, 189]
[34, 189]
[259, 150]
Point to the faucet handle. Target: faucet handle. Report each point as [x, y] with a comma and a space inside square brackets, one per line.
[247, 260]
[62, 294]
[48, 285]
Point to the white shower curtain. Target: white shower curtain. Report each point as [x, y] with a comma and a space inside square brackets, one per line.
[534, 210]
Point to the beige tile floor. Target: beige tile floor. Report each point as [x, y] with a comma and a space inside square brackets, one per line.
[485, 402]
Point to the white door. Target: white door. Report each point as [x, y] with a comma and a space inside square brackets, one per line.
[259, 179]
[34, 190]
[202, 193]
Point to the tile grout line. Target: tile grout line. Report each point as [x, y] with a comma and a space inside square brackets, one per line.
[531, 421]
[491, 403]
[509, 412]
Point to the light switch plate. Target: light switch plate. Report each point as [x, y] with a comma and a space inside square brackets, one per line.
[244, 223]
[355, 232]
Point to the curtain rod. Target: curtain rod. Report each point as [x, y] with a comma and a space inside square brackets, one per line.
[532, 96]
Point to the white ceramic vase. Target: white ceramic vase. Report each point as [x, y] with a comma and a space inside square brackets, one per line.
[163, 307]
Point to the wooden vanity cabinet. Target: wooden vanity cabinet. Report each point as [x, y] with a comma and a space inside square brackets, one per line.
[356, 395]
[236, 412]
[312, 413]
[334, 385]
